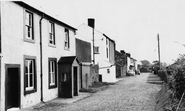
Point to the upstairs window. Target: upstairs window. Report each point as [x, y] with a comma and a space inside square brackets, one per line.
[66, 41]
[29, 25]
[51, 33]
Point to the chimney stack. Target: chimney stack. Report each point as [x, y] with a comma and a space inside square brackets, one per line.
[122, 51]
[91, 22]
[128, 54]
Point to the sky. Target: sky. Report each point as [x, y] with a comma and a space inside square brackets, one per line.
[133, 24]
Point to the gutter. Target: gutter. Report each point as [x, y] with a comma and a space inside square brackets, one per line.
[41, 70]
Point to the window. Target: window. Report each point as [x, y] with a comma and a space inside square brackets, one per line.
[52, 73]
[66, 42]
[29, 26]
[51, 33]
[30, 75]
[107, 48]
[96, 50]
[108, 71]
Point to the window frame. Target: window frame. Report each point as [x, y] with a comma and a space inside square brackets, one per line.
[28, 90]
[66, 39]
[26, 38]
[52, 85]
[52, 33]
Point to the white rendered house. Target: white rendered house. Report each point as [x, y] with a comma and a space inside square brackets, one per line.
[104, 51]
[32, 43]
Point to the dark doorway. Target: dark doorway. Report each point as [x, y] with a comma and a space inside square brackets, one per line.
[75, 73]
[100, 78]
[12, 88]
[68, 76]
[65, 85]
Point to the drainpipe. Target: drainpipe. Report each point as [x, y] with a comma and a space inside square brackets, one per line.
[41, 72]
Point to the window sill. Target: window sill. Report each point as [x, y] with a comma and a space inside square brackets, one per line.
[29, 40]
[52, 86]
[68, 49]
[29, 91]
[51, 45]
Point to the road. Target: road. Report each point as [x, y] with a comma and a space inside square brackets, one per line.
[129, 94]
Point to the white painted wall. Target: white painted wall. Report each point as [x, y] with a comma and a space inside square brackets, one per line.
[57, 51]
[128, 63]
[14, 48]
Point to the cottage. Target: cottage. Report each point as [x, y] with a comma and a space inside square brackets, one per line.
[103, 50]
[131, 65]
[32, 43]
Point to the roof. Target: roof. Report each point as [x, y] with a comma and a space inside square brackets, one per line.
[109, 38]
[96, 31]
[67, 60]
[45, 15]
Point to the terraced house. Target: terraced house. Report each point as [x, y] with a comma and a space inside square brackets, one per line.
[103, 50]
[34, 50]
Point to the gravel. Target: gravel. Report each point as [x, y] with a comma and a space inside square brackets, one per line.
[130, 94]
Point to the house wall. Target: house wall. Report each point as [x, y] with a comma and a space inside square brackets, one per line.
[83, 52]
[105, 63]
[14, 47]
[124, 70]
[128, 63]
[85, 33]
[86, 76]
[112, 52]
[56, 51]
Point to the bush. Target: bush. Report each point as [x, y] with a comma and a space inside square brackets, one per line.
[176, 81]
[179, 82]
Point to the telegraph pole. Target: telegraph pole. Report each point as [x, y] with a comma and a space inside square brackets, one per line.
[93, 48]
[159, 51]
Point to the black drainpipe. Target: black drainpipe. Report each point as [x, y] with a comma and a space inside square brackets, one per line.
[41, 79]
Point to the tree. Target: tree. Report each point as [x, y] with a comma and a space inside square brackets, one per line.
[155, 64]
[146, 63]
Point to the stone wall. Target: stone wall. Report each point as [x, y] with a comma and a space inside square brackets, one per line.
[95, 73]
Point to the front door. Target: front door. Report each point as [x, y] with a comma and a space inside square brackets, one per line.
[12, 88]
[75, 83]
[65, 89]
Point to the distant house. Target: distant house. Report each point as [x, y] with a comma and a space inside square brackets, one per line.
[103, 52]
[38, 57]
[132, 65]
[121, 63]
[128, 61]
